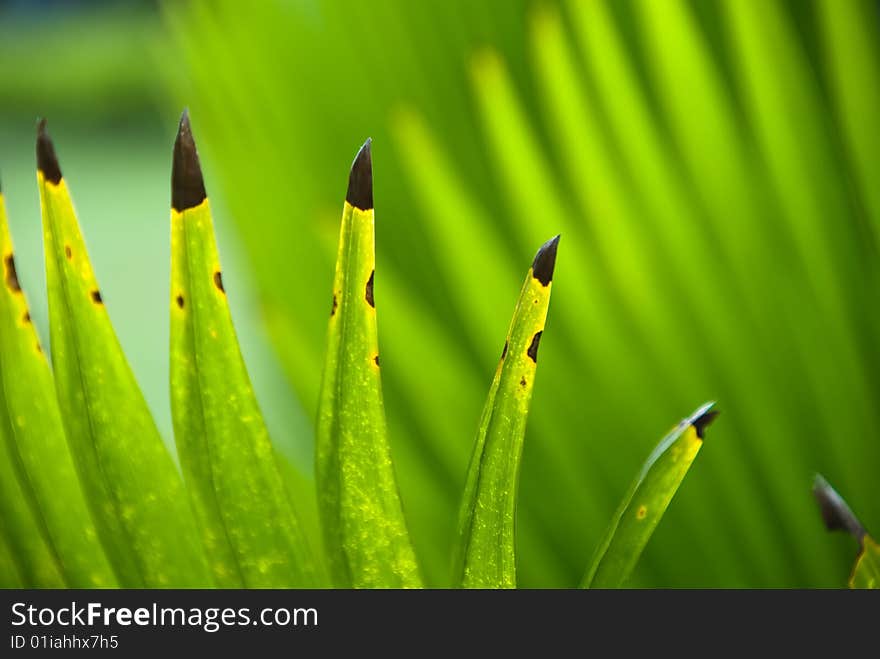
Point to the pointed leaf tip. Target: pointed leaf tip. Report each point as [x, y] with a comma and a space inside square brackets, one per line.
[835, 512]
[545, 261]
[187, 184]
[703, 418]
[47, 161]
[360, 180]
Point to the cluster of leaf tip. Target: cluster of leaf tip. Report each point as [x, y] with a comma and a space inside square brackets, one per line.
[90, 496]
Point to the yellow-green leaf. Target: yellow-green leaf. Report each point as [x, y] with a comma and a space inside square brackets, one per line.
[647, 501]
[866, 571]
[10, 574]
[34, 562]
[838, 516]
[251, 533]
[485, 552]
[361, 514]
[141, 510]
[35, 441]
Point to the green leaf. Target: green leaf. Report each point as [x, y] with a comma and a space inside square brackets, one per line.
[35, 440]
[866, 572]
[485, 551]
[10, 573]
[838, 516]
[361, 513]
[249, 528]
[136, 494]
[647, 500]
[35, 562]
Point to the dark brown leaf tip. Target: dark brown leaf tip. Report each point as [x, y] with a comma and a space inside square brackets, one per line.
[360, 179]
[47, 161]
[701, 422]
[532, 352]
[187, 184]
[12, 282]
[545, 261]
[368, 290]
[835, 512]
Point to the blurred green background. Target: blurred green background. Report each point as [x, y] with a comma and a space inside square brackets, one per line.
[713, 168]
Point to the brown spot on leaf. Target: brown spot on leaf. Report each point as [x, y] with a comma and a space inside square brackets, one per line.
[218, 281]
[523, 382]
[11, 274]
[96, 297]
[504, 351]
[532, 352]
[27, 317]
[376, 359]
[39, 347]
[68, 252]
[642, 512]
[368, 294]
[180, 301]
[333, 308]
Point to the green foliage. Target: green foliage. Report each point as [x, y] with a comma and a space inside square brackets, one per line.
[135, 492]
[838, 517]
[241, 496]
[364, 529]
[721, 233]
[249, 528]
[486, 548]
[647, 500]
[38, 469]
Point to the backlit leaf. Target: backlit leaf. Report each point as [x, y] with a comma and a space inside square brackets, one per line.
[648, 498]
[251, 533]
[364, 529]
[485, 550]
[136, 494]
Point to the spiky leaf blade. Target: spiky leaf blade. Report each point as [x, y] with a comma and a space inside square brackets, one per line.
[361, 514]
[649, 496]
[35, 439]
[838, 516]
[485, 554]
[136, 494]
[249, 527]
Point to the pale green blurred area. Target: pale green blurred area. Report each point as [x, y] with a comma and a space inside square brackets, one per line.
[712, 167]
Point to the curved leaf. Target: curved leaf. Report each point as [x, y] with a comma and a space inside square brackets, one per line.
[866, 571]
[136, 494]
[648, 498]
[35, 438]
[251, 533]
[838, 516]
[361, 514]
[34, 561]
[485, 551]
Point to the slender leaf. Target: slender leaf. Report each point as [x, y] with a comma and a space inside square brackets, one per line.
[866, 571]
[485, 551]
[361, 513]
[35, 438]
[136, 494]
[647, 501]
[10, 573]
[35, 562]
[249, 528]
[838, 516]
